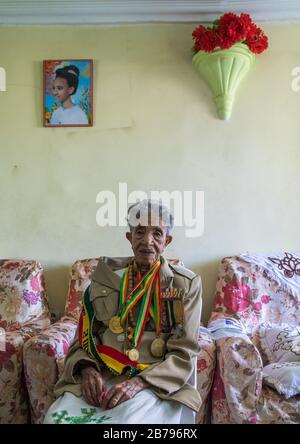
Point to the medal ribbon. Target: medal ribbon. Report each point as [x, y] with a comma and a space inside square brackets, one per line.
[116, 361]
[148, 288]
[155, 309]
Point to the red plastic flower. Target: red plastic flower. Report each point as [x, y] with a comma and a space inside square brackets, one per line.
[228, 30]
[259, 45]
[206, 40]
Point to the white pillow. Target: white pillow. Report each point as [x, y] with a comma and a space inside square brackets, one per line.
[280, 343]
[284, 377]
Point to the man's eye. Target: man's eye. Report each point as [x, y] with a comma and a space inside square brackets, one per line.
[158, 233]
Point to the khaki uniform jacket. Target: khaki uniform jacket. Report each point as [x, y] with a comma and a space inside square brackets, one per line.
[167, 376]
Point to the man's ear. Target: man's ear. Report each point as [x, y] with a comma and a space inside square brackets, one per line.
[169, 239]
[129, 236]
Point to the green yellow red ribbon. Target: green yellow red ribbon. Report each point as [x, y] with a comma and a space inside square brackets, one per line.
[116, 361]
[147, 291]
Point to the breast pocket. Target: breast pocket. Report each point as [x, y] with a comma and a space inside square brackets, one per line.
[105, 301]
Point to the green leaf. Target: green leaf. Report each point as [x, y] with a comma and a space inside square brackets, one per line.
[216, 23]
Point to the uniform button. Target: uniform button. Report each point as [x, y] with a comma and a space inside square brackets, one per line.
[104, 291]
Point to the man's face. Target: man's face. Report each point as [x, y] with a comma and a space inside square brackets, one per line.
[148, 242]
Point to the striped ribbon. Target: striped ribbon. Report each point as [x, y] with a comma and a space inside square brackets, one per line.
[114, 360]
[147, 291]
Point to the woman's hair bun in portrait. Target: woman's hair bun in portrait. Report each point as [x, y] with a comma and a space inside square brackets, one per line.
[71, 74]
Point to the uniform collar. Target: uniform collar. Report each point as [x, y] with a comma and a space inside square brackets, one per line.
[105, 272]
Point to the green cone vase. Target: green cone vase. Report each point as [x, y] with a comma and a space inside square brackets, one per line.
[223, 70]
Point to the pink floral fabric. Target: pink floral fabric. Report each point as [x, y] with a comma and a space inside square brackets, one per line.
[44, 354]
[80, 278]
[22, 294]
[206, 362]
[23, 313]
[257, 290]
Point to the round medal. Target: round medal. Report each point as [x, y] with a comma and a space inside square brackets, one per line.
[158, 347]
[133, 354]
[115, 325]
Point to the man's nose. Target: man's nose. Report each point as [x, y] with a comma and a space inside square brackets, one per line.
[148, 238]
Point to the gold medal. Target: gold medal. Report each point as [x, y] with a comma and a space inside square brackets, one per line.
[133, 354]
[115, 325]
[158, 347]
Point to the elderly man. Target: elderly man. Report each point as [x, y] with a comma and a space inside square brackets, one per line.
[137, 334]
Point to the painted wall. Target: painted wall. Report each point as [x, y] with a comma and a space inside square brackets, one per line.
[155, 129]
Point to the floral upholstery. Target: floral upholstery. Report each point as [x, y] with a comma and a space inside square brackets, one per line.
[79, 281]
[23, 313]
[255, 290]
[206, 362]
[44, 354]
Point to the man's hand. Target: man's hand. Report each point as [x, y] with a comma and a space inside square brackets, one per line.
[122, 392]
[92, 386]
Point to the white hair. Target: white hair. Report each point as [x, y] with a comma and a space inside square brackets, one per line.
[144, 212]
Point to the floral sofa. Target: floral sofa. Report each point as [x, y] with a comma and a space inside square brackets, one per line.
[257, 378]
[23, 313]
[44, 354]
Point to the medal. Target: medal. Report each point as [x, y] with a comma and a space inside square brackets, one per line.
[158, 347]
[133, 354]
[115, 325]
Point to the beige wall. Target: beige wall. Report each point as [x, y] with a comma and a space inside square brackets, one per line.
[155, 128]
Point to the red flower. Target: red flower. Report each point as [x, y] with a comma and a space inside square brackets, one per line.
[11, 265]
[232, 29]
[3, 324]
[265, 299]
[35, 285]
[50, 66]
[208, 41]
[259, 45]
[257, 306]
[65, 346]
[201, 365]
[218, 391]
[219, 299]
[253, 420]
[228, 30]
[236, 296]
[72, 299]
[7, 353]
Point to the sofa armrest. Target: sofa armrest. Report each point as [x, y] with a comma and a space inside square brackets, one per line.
[206, 362]
[42, 357]
[55, 339]
[240, 366]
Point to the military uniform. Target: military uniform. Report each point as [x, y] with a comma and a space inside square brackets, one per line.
[167, 375]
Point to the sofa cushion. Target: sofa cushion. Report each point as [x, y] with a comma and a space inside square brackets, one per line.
[280, 343]
[284, 377]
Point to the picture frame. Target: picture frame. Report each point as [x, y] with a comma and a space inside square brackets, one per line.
[68, 93]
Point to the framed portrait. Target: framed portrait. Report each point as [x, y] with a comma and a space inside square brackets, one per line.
[68, 93]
